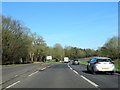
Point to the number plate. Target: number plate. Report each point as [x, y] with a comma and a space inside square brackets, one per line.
[105, 68]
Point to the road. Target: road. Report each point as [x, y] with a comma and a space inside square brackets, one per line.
[102, 79]
[64, 76]
[14, 71]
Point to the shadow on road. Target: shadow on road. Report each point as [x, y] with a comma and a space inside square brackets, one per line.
[84, 71]
[97, 73]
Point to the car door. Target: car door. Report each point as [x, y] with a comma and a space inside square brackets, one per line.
[92, 63]
[89, 64]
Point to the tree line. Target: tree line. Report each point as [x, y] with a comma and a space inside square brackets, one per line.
[20, 45]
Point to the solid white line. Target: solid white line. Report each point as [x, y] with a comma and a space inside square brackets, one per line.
[33, 73]
[13, 84]
[72, 69]
[75, 71]
[89, 81]
[69, 66]
[84, 77]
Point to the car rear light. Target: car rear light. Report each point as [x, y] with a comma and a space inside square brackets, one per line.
[97, 63]
[97, 70]
[111, 63]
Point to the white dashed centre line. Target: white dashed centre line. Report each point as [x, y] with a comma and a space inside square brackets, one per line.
[13, 84]
[16, 75]
[33, 73]
[43, 68]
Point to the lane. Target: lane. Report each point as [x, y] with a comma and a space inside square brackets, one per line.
[56, 76]
[101, 79]
[14, 71]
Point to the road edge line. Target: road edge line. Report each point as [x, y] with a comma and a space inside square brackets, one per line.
[89, 81]
[97, 86]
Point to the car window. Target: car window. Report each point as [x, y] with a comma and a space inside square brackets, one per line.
[92, 60]
[75, 60]
[104, 60]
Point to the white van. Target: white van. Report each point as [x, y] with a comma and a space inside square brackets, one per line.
[66, 60]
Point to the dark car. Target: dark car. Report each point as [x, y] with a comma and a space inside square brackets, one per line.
[75, 62]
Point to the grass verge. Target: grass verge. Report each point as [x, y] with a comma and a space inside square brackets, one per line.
[84, 62]
[117, 64]
[11, 65]
[19, 64]
[48, 62]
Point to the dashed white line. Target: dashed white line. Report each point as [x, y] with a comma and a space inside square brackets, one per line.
[16, 75]
[33, 73]
[13, 84]
[43, 68]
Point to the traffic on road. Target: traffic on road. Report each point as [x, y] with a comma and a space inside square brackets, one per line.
[62, 75]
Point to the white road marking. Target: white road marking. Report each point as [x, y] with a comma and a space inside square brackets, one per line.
[84, 77]
[13, 84]
[43, 68]
[89, 81]
[16, 75]
[72, 69]
[75, 71]
[33, 73]
[69, 66]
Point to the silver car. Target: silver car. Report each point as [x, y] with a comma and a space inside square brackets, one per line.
[103, 64]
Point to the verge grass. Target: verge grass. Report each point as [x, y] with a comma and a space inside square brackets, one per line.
[117, 64]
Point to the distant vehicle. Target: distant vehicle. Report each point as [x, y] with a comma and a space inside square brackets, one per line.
[48, 57]
[103, 64]
[75, 62]
[66, 60]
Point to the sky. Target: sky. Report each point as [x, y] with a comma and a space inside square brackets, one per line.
[77, 24]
